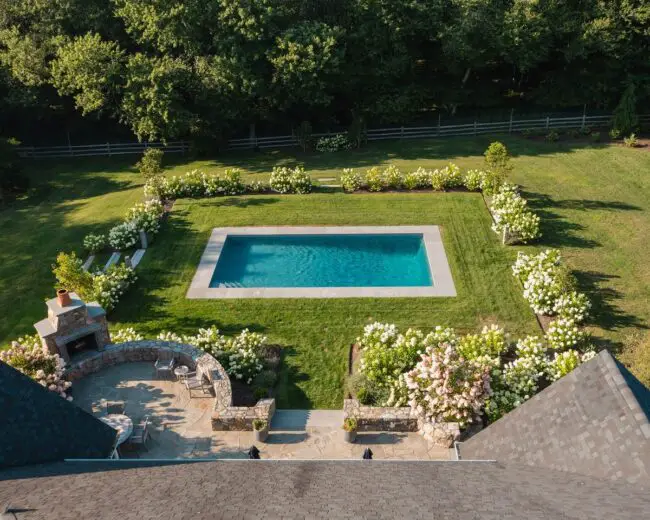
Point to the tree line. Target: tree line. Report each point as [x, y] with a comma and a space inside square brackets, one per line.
[204, 68]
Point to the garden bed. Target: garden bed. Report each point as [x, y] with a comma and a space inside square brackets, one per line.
[248, 395]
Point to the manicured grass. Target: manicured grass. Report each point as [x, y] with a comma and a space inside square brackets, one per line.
[316, 333]
[594, 201]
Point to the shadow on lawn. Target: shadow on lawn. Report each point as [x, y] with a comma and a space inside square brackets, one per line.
[605, 313]
[374, 154]
[557, 230]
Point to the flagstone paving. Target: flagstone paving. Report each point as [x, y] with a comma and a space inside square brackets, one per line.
[182, 428]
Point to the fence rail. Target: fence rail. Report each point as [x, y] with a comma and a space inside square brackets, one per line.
[376, 134]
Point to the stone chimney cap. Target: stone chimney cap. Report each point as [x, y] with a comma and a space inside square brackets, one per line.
[55, 308]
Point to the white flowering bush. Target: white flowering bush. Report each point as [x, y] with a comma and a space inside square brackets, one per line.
[109, 287]
[491, 182]
[573, 305]
[125, 335]
[563, 363]
[491, 343]
[375, 179]
[443, 387]
[473, 179]
[350, 180]
[281, 179]
[417, 180]
[437, 180]
[171, 336]
[146, 216]
[333, 144]
[30, 357]
[453, 176]
[512, 216]
[300, 181]
[564, 333]
[543, 278]
[386, 354]
[94, 243]
[393, 178]
[123, 236]
[242, 357]
[209, 340]
[257, 187]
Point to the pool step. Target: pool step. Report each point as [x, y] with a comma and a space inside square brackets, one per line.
[231, 285]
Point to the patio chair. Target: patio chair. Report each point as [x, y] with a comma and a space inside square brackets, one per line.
[196, 381]
[140, 434]
[164, 365]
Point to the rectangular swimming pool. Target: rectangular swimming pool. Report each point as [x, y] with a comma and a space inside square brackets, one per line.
[323, 262]
[374, 260]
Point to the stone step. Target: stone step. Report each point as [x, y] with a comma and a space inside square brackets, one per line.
[112, 260]
[88, 262]
[137, 257]
[300, 420]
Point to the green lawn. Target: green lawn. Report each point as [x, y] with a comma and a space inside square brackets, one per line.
[317, 333]
[594, 201]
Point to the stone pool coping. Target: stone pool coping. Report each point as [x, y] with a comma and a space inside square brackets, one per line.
[443, 283]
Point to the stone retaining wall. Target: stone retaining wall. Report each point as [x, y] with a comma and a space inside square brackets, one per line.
[224, 417]
[402, 419]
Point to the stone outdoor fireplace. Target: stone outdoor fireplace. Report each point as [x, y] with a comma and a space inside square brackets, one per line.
[73, 326]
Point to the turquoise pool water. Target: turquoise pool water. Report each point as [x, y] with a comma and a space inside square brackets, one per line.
[382, 260]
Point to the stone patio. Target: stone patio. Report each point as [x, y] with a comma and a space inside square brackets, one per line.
[182, 427]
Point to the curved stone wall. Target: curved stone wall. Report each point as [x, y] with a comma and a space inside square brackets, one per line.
[149, 350]
[224, 415]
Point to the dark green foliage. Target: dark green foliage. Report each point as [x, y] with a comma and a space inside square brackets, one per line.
[172, 69]
[625, 117]
[12, 180]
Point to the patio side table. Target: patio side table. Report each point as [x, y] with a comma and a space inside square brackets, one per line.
[181, 372]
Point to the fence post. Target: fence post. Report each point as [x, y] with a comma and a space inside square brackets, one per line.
[512, 111]
[401, 133]
[439, 114]
[548, 122]
[108, 147]
[584, 116]
[474, 126]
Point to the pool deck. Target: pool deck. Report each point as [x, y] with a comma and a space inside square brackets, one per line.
[443, 283]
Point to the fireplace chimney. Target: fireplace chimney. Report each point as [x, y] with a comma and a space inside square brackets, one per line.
[64, 297]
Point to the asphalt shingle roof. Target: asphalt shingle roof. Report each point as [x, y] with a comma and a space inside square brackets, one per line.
[593, 421]
[313, 489]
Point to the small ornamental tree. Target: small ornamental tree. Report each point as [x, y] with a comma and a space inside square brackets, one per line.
[71, 275]
[498, 158]
[444, 387]
[150, 165]
[625, 118]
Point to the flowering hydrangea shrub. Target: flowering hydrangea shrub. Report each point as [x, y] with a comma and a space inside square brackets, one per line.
[491, 182]
[543, 278]
[109, 287]
[242, 357]
[573, 305]
[445, 388]
[563, 363]
[512, 216]
[125, 335]
[30, 357]
[171, 336]
[386, 354]
[350, 180]
[525, 265]
[209, 340]
[146, 216]
[491, 342]
[417, 180]
[281, 179]
[393, 178]
[375, 179]
[300, 181]
[453, 178]
[473, 179]
[123, 236]
[257, 187]
[564, 333]
[94, 243]
[333, 143]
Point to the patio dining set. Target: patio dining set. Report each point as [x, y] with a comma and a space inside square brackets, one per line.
[135, 436]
